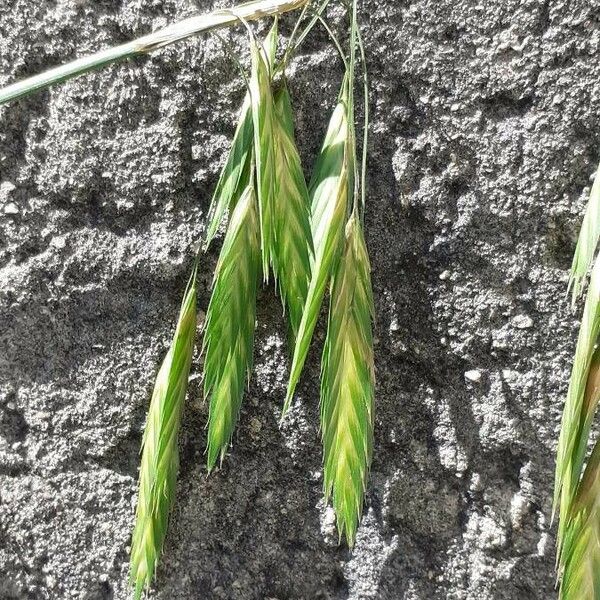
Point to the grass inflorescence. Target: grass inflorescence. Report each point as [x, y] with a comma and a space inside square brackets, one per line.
[310, 237]
[160, 455]
[577, 484]
[329, 206]
[348, 383]
[230, 323]
[293, 247]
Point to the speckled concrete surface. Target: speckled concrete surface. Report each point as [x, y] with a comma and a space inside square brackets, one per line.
[486, 129]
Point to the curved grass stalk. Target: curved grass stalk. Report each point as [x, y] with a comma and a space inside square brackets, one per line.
[347, 383]
[149, 43]
[230, 323]
[160, 456]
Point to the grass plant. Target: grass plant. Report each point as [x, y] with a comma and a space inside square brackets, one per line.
[310, 236]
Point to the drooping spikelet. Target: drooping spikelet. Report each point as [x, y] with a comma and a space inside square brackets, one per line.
[232, 181]
[234, 177]
[292, 248]
[329, 193]
[588, 240]
[160, 457]
[230, 323]
[581, 543]
[263, 115]
[347, 383]
[578, 411]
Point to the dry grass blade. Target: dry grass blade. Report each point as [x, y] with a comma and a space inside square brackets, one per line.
[160, 458]
[263, 114]
[230, 323]
[581, 546]
[292, 249]
[329, 197]
[588, 240]
[579, 410]
[347, 383]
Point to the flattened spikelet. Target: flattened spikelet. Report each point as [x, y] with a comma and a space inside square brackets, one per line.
[160, 458]
[231, 181]
[263, 113]
[230, 323]
[235, 174]
[581, 547]
[293, 239]
[577, 413]
[588, 240]
[347, 384]
[329, 198]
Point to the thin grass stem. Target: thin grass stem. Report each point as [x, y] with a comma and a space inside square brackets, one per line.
[363, 182]
[292, 47]
[149, 43]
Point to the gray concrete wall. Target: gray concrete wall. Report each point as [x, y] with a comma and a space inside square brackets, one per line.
[485, 132]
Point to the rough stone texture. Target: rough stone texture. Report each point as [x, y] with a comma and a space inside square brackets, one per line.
[486, 128]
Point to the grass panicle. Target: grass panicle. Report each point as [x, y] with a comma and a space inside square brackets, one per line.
[347, 383]
[579, 409]
[329, 193]
[587, 242]
[292, 250]
[230, 323]
[581, 547]
[263, 115]
[160, 457]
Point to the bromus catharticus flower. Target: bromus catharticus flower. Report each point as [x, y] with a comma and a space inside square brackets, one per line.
[232, 179]
[235, 175]
[263, 116]
[577, 414]
[230, 323]
[581, 546]
[311, 237]
[160, 456]
[575, 496]
[341, 260]
[588, 240]
[348, 383]
[329, 206]
[292, 250]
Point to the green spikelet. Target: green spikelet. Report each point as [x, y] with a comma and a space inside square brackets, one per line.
[263, 114]
[590, 400]
[160, 458]
[347, 384]
[292, 249]
[231, 180]
[581, 543]
[235, 174]
[577, 413]
[329, 193]
[588, 240]
[230, 323]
